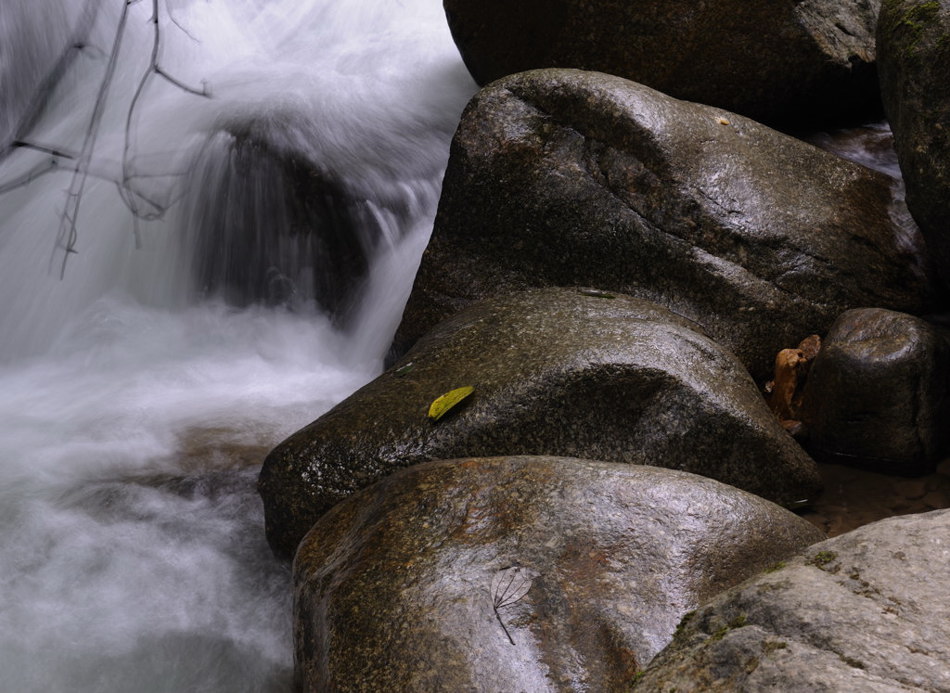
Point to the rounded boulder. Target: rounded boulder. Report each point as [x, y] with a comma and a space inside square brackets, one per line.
[519, 573]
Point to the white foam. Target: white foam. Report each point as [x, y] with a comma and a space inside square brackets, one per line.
[131, 544]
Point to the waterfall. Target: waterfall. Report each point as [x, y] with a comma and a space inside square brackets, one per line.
[201, 249]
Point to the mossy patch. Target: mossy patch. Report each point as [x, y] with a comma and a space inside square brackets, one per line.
[772, 646]
[738, 622]
[681, 626]
[822, 559]
[907, 27]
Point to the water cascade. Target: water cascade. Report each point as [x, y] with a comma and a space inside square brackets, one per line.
[210, 215]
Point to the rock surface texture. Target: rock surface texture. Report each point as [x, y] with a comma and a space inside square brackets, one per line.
[555, 372]
[914, 36]
[866, 611]
[562, 177]
[520, 573]
[878, 393]
[787, 61]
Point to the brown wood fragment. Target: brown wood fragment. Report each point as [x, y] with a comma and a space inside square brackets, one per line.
[784, 391]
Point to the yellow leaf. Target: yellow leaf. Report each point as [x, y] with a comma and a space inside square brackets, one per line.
[441, 405]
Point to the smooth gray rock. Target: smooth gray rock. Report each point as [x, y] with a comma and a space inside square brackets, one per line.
[562, 177]
[865, 611]
[914, 39]
[878, 393]
[590, 566]
[790, 62]
[555, 372]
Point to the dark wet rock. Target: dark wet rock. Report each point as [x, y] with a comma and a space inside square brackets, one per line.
[914, 39]
[878, 393]
[561, 177]
[591, 565]
[271, 227]
[555, 372]
[779, 62]
[866, 611]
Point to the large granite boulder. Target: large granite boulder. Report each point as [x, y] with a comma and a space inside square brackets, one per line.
[520, 573]
[562, 177]
[878, 393]
[785, 62]
[555, 372]
[866, 611]
[914, 39]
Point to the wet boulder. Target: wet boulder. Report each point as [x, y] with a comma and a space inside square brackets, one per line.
[520, 573]
[878, 393]
[914, 40]
[865, 611]
[562, 177]
[565, 372]
[788, 62]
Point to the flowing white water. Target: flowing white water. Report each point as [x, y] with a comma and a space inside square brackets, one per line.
[134, 409]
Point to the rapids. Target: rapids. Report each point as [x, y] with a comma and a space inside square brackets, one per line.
[138, 391]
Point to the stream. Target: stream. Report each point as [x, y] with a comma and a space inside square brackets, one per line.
[140, 390]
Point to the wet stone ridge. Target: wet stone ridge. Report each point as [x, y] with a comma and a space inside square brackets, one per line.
[563, 177]
[520, 573]
[567, 372]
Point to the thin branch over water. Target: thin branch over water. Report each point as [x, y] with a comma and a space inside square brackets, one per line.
[141, 205]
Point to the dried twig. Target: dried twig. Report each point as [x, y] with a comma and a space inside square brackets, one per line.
[52, 165]
[130, 196]
[66, 238]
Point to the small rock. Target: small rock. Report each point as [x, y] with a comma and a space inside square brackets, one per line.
[878, 393]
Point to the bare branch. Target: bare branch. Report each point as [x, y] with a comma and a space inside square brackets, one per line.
[180, 27]
[41, 169]
[128, 194]
[54, 151]
[204, 91]
[66, 238]
[143, 206]
[33, 112]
